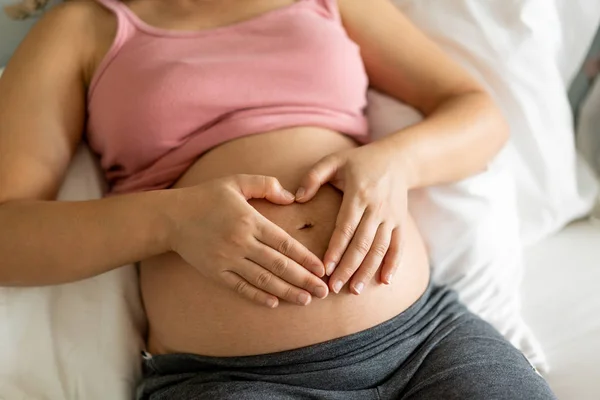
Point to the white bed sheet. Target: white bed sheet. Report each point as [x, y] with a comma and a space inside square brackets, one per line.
[561, 302]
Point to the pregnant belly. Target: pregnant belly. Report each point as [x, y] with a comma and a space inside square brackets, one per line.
[190, 314]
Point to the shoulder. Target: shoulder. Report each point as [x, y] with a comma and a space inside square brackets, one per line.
[84, 26]
[76, 14]
[73, 22]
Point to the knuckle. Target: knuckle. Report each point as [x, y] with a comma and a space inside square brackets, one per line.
[241, 180]
[264, 279]
[280, 266]
[238, 240]
[257, 297]
[346, 273]
[347, 231]
[234, 179]
[271, 183]
[241, 287]
[288, 293]
[335, 257]
[261, 183]
[313, 176]
[222, 253]
[380, 250]
[307, 282]
[285, 246]
[331, 159]
[369, 272]
[306, 260]
[363, 193]
[245, 223]
[378, 206]
[362, 246]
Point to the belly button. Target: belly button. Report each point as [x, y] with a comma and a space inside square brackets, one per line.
[307, 225]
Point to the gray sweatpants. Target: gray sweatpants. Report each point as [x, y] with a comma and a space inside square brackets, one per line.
[434, 350]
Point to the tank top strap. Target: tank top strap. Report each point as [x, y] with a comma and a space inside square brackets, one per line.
[125, 31]
[128, 21]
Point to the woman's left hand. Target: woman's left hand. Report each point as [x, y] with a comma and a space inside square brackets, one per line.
[368, 233]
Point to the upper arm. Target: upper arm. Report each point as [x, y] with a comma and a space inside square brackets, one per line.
[42, 105]
[400, 59]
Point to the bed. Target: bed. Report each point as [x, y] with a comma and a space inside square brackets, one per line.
[563, 308]
[59, 343]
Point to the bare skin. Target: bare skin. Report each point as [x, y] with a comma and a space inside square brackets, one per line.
[192, 306]
[188, 313]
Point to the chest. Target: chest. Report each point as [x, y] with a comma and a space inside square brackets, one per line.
[160, 89]
[202, 15]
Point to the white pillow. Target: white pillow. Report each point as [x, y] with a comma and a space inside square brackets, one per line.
[512, 46]
[580, 19]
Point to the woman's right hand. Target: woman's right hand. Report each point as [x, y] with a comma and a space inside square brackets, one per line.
[220, 234]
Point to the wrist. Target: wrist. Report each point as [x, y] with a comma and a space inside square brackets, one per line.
[168, 207]
[403, 158]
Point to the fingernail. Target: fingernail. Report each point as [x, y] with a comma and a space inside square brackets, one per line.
[337, 286]
[288, 195]
[321, 292]
[359, 287]
[300, 193]
[388, 279]
[330, 268]
[303, 299]
[272, 303]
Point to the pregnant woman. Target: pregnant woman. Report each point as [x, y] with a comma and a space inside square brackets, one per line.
[207, 116]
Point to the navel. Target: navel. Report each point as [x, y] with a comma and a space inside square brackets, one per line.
[305, 226]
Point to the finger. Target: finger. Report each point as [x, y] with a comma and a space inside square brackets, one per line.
[246, 290]
[278, 239]
[374, 259]
[348, 219]
[278, 275]
[287, 271]
[263, 187]
[355, 254]
[321, 173]
[393, 258]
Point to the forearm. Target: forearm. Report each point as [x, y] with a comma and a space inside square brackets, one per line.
[455, 141]
[45, 243]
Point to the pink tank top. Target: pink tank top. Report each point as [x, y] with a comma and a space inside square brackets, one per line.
[161, 98]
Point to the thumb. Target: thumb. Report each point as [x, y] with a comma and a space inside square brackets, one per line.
[321, 173]
[263, 187]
